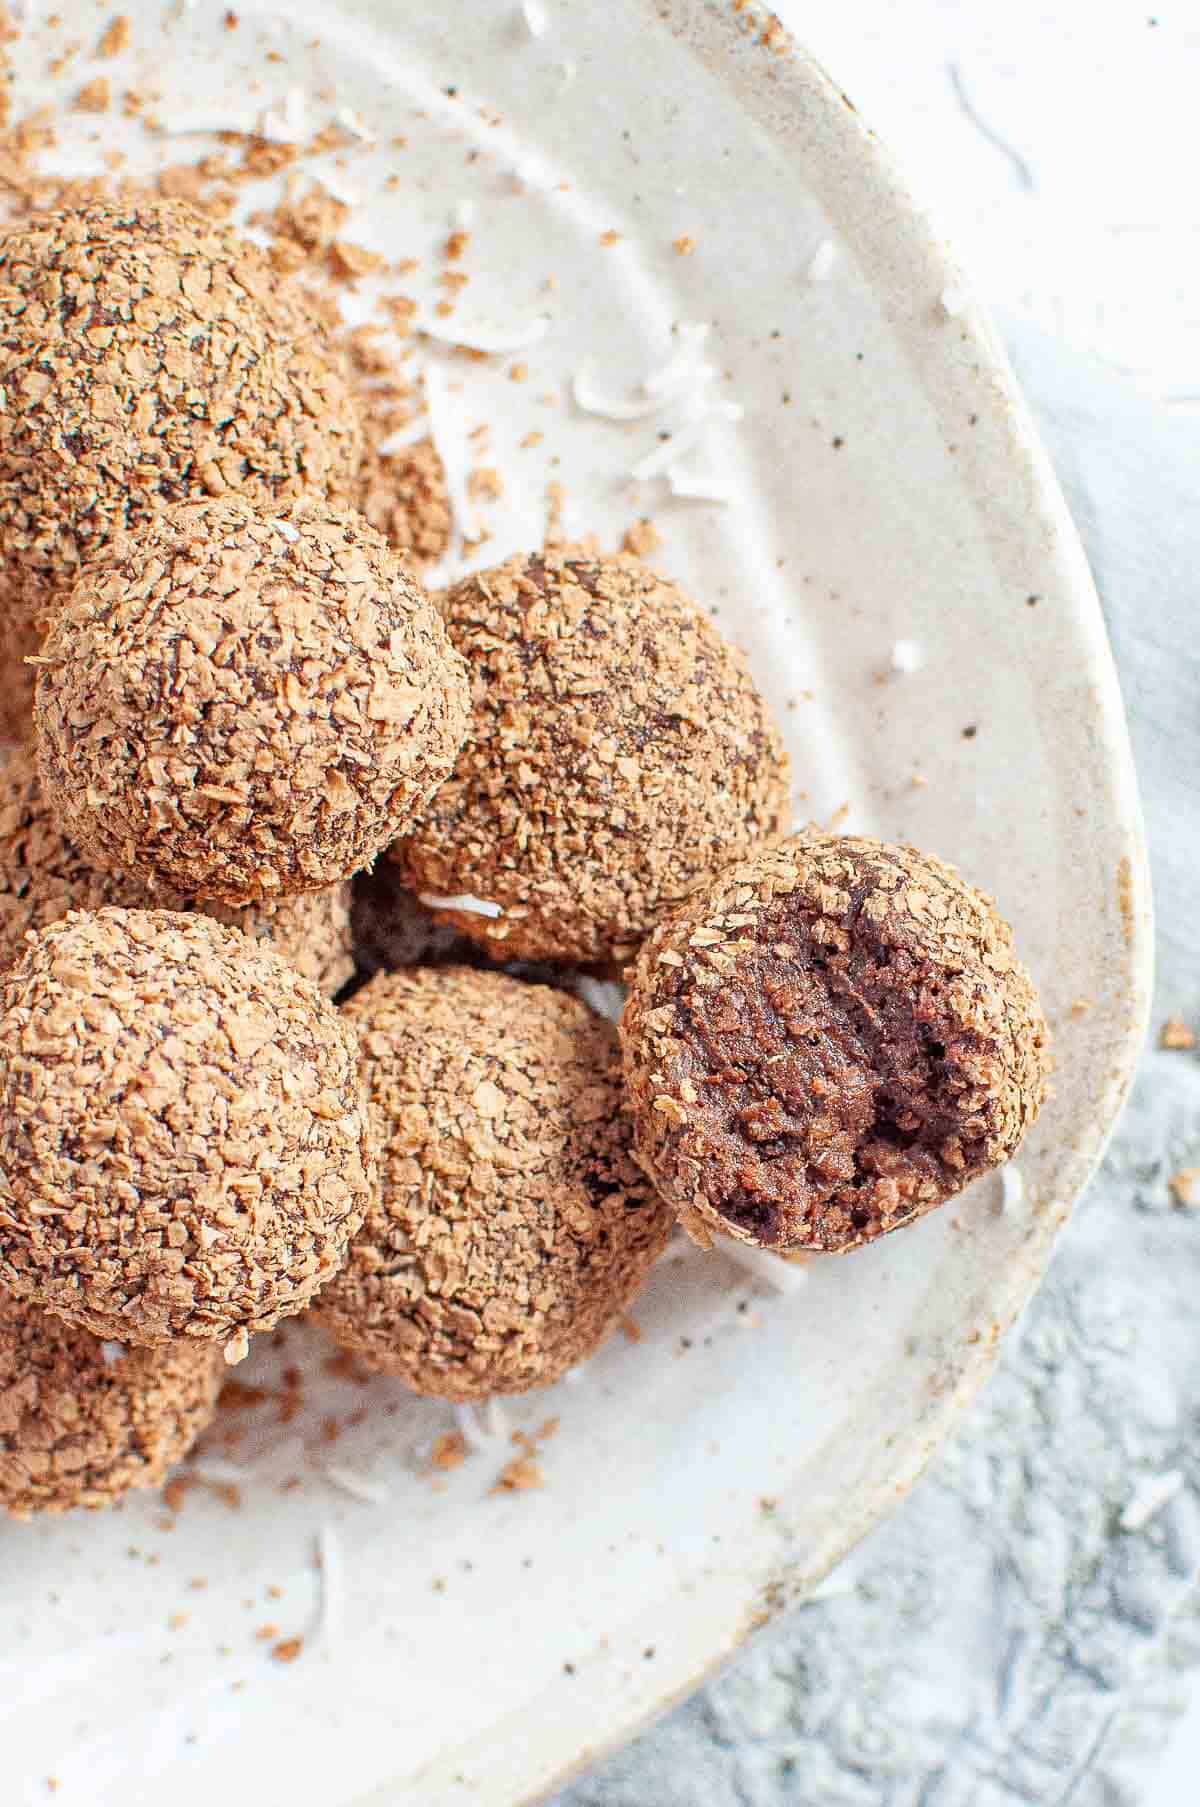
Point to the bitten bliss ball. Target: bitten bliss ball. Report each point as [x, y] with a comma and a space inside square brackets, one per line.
[619, 754]
[184, 1144]
[147, 355]
[243, 706]
[512, 1225]
[829, 1041]
[83, 1422]
[43, 876]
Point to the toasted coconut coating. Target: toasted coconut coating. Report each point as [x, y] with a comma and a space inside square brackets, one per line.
[184, 1141]
[243, 706]
[147, 355]
[43, 875]
[512, 1226]
[83, 1422]
[619, 754]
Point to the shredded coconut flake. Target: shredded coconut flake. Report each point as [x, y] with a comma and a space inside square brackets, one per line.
[604, 996]
[449, 438]
[820, 264]
[658, 462]
[358, 1486]
[680, 367]
[591, 401]
[474, 906]
[772, 1271]
[290, 533]
[329, 1561]
[217, 1472]
[534, 15]
[496, 1418]
[237, 1348]
[112, 1353]
[477, 1427]
[693, 488]
[352, 122]
[285, 124]
[1012, 1187]
[341, 191]
[954, 302]
[1156, 1491]
[463, 215]
[907, 656]
[204, 125]
[488, 339]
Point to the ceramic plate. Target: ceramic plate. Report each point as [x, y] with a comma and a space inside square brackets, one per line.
[887, 505]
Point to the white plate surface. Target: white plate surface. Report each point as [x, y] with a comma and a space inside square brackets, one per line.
[465, 1646]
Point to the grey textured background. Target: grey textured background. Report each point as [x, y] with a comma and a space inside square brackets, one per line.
[1002, 1639]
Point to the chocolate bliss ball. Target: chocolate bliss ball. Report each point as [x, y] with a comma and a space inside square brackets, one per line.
[828, 1041]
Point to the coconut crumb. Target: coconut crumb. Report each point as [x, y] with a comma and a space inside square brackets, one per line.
[642, 540]
[521, 1475]
[449, 1451]
[94, 97]
[534, 15]
[116, 37]
[907, 656]
[1185, 1186]
[953, 302]
[820, 265]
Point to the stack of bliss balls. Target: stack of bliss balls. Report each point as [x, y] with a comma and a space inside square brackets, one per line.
[224, 698]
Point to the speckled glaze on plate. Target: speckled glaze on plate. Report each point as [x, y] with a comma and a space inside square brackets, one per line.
[466, 1646]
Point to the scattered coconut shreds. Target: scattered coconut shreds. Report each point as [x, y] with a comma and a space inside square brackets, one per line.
[473, 906]
[112, 1353]
[771, 1270]
[329, 1561]
[358, 1486]
[907, 656]
[489, 340]
[1012, 1187]
[496, 1418]
[475, 1426]
[216, 1472]
[680, 366]
[285, 124]
[658, 462]
[290, 533]
[463, 216]
[352, 122]
[589, 399]
[209, 125]
[341, 191]
[1149, 1498]
[953, 302]
[692, 488]
[604, 996]
[449, 441]
[820, 265]
[237, 1348]
[534, 15]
